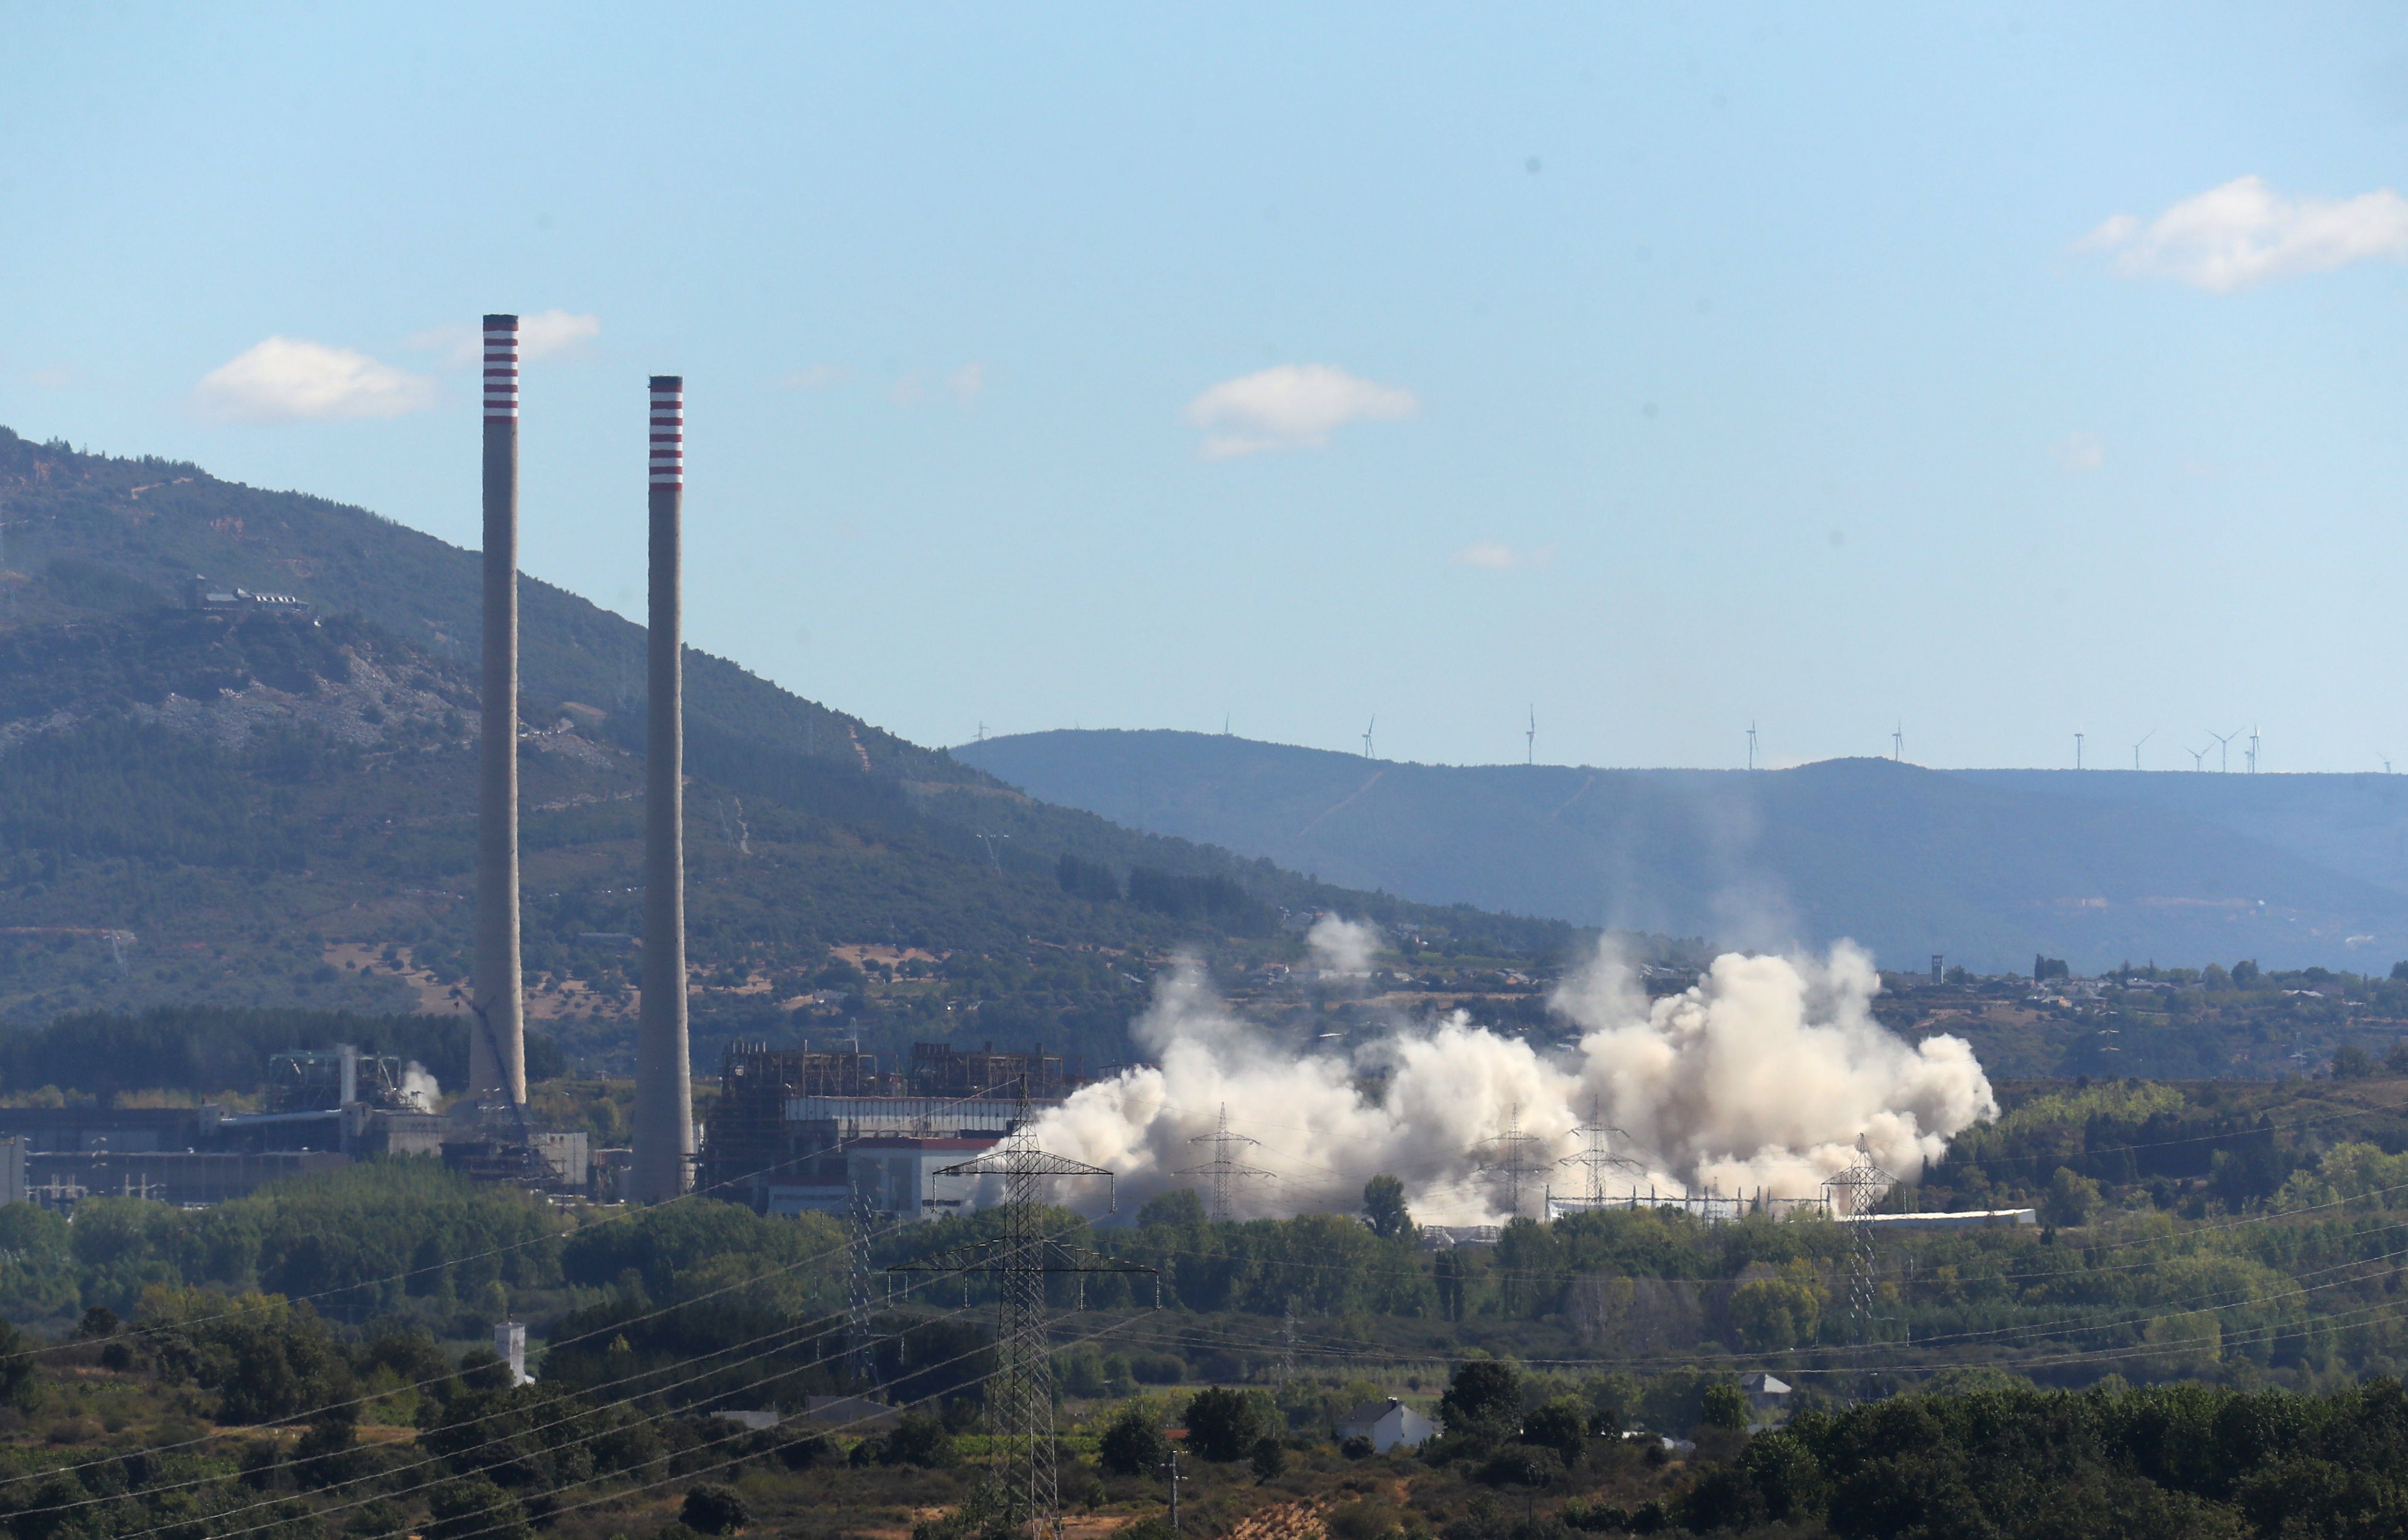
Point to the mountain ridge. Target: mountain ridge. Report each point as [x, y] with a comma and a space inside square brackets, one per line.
[1979, 867]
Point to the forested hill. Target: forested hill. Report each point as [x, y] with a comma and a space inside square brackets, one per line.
[1986, 868]
[262, 810]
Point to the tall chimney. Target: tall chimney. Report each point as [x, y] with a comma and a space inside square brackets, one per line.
[664, 1078]
[497, 1037]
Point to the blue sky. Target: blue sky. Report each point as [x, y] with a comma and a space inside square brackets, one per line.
[1660, 368]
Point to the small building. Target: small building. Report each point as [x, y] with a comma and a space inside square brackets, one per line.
[1386, 1424]
[12, 1171]
[1763, 1393]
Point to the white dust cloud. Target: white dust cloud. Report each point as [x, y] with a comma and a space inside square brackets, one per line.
[418, 1089]
[1342, 945]
[1762, 1075]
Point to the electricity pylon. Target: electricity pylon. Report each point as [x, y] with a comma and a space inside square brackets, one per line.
[1022, 1496]
[1595, 1159]
[1223, 1169]
[1852, 1194]
[857, 1347]
[1509, 1156]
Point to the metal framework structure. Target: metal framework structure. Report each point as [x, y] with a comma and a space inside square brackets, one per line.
[1595, 1159]
[1224, 1169]
[1508, 1154]
[1022, 1496]
[1851, 1194]
[859, 1222]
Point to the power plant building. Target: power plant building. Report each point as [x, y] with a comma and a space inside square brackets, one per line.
[798, 1130]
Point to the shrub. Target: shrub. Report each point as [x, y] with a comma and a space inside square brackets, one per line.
[714, 1510]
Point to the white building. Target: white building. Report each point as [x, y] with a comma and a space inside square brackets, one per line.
[1386, 1424]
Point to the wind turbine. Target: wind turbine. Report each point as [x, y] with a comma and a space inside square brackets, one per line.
[2136, 748]
[2223, 749]
[2387, 760]
[2197, 756]
[1898, 742]
[1530, 740]
[2252, 751]
[2077, 751]
[1751, 745]
[1366, 736]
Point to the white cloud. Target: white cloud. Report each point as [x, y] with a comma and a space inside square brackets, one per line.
[2081, 452]
[2244, 233]
[1497, 557]
[542, 334]
[285, 378]
[967, 382]
[548, 334]
[817, 377]
[1294, 406]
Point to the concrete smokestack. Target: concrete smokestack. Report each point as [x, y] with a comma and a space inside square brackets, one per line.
[497, 1037]
[664, 1130]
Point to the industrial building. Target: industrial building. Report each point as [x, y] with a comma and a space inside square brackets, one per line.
[808, 1130]
[326, 1108]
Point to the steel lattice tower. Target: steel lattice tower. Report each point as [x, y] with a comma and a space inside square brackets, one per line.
[858, 1222]
[1851, 1195]
[1023, 1495]
[1223, 1168]
[1595, 1159]
[1509, 1156]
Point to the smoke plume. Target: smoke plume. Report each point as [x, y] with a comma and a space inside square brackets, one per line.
[1763, 1074]
[1342, 945]
[418, 1087]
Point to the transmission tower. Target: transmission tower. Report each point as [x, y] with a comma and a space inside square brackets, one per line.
[1851, 1195]
[1508, 1154]
[1224, 1169]
[1022, 1496]
[857, 1347]
[1595, 1159]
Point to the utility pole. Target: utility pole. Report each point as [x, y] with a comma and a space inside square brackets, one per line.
[1224, 1169]
[1172, 1466]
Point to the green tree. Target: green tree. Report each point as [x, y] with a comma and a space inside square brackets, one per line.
[1383, 1204]
[1726, 1407]
[1223, 1424]
[2352, 1062]
[475, 1510]
[714, 1510]
[1482, 1395]
[1133, 1443]
[1560, 1424]
[2072, 1199]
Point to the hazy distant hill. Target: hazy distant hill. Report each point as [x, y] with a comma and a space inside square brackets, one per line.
[267, 811]
[1987, 868]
